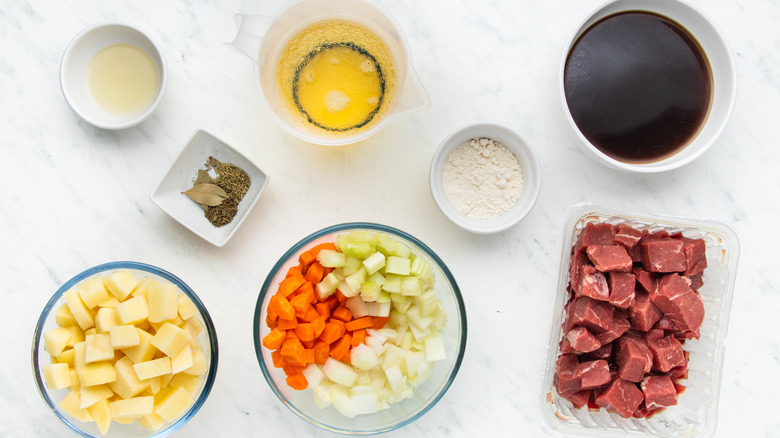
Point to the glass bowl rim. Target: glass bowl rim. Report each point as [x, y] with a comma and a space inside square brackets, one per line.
[257, 320]
[209, 326]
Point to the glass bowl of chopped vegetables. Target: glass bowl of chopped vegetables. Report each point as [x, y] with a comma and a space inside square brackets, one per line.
[124, 349]
[360, 328]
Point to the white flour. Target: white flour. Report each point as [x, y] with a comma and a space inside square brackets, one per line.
[482, 178]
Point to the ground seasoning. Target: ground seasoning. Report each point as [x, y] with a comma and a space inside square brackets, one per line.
[219, 197]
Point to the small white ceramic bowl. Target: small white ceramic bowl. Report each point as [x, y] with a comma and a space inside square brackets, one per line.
[724, 79]
[181, 175]
[529, 163]
[73, 73]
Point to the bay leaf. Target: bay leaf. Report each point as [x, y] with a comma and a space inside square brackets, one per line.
[203, 177]
[206, 194]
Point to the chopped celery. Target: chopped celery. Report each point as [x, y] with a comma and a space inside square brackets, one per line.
[370, 291]
[346, 289]
[331, 259]
[357, 306]
[352, 265]
[392, 284]
[384, 297]
[377, 278]
[411, 286]
[327, 286]
[356, 279]
[398, 265]
[397, 318]
[360, 244]
[401, 302]
[420, 267]
[374, 262]
[427, 302]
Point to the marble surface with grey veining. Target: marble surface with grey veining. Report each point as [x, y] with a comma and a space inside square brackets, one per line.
[73, 196]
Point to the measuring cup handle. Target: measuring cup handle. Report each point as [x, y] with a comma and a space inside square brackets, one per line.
[251, 29]
[414, 98]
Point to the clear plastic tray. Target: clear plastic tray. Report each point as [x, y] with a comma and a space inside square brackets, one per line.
[695, 414]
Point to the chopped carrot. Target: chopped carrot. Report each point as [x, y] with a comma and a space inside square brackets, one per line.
[342, 314]
[341, 346]
[347, 357]
[290, 370]
[292, 352]
[323, 309]
[309, 355]
[287, 324]
[318, 325]
[333, 300]
[303, 298]
[305, 332]
[275, 339]
[379, 321]
[340, 296]
[290, 284]
[294, 270]
[277, 359]
[333, 330]
[308, 344]
[358, 337]
[272, 315]
[321, 352]
[360, 323]
[297, 381]
[319, 247]
[282, 307]
[306, 259]
[271, 323]
[291, 334]
[311, 314]
[315, 272]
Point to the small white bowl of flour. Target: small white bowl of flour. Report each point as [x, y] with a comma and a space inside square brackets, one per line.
[485, 178]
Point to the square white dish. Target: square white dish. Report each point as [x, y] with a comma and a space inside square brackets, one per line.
[181, 175]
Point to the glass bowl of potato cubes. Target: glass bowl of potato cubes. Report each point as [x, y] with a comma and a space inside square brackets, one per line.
[124, 349]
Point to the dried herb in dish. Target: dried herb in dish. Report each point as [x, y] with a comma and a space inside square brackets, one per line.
[219, 197]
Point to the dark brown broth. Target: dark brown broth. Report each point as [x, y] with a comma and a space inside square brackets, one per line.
[638, 86]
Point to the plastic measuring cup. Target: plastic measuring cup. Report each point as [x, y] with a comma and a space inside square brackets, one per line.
[263, 38]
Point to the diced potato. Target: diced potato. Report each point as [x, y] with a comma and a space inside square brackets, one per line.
[97, 373]
[151, 421]
[124, 336]
[163, 302]
[57, 375]
[78, 309]
[66, 357]
[133, 407]
[92, 291]
[93, 394]
[199, 364]
[186, 381]
[187, 308]
[142, 288]
[132, 311]
[170, 339]
[174, 404]
[155, 384]
[105, 319]
[92, 331]
[152, 368]
[101, 415]
[120, 283]
[75, 384]
[166, 378]
[55, 340]
[76, 334]
[70, 405]
[63, 316]
[98, 347]
[144, 350]
[79, 356]
[127, 383]
[110, 303]
[183, 359]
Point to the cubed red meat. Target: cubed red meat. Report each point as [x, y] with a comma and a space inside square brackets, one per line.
[578, 259]
[643, 313]
[592, 284]
[634, 359]
[582, 340]
[595, 234]
[694, 251]
[604, 352]
[592, 314]
[566, 383]
[665, 324]
[695, 281]
[667, 353]
[593, 373]
[663, 255]
[622, 397]
[627, 236]
[619, 326]
[679, 302]
[659, 392]
[581, 398]
[654, 334]
[644, 278]
[608, 258]
[621, 289]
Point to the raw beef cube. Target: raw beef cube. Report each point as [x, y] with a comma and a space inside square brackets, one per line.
[644, 313]
[607, 258]
[605, 352]
[592, 283]
[695, 281]
[595, 234]
[654, 334]
[619, 326]
[578, 259]
[622, 397]
[582, 340]
[667, 353]
[645, 279]
[593, 373]
[621, 289]
[566, 347]
[663, 255]
[592, 314]
[694, 251]
[627, 236]
[665, 324]
[679, 302]
[659, 392]
[633, 358]
[565, 381]
[581, 398]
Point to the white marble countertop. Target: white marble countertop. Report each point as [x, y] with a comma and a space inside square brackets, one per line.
[75, 196]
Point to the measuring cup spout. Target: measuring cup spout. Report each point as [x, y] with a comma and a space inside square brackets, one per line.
[251, 29]
[413, 98]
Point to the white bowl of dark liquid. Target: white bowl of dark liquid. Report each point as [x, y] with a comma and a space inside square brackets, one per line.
[647, 85]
